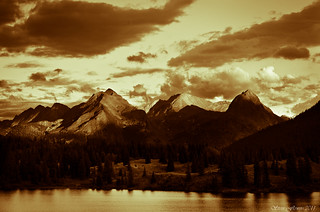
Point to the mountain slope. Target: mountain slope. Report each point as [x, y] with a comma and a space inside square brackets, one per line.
[245, 116]
[34, 122]
[299, 135]
[101, 109]
[179, 101]
[41, 113]
[247, 106]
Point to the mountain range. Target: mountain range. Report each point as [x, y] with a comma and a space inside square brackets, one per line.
[244, 116]
[181, 118]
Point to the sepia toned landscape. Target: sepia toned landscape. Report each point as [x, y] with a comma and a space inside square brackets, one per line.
[216, 97]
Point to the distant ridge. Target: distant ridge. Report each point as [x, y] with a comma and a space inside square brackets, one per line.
[245, 115]
[181, 118]
[177, 102]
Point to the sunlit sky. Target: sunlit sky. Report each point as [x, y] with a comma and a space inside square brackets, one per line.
[64, 51]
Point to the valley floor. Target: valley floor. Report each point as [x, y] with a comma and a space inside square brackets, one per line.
[209, 181]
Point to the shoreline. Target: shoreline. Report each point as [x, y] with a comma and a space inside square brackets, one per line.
[226, 191]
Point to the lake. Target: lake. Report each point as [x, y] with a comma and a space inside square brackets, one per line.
[123, 200]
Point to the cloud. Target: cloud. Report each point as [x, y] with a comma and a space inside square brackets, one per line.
[227, 83]
[80, 87]
[268, 75]
[316, 58]
[58, 70]
[14, 105]
[4, 84]
[291, 53]
[138, 90]
[175, 83]
[141, 57]
[224, 83]
[92, 73]
[274, 90]
[288, 37]
[38, 77]
[186, 45]
[139, 93]
[79, 28]
[129, 72]
[299, 108]
[42, 76]
[9, 11]
[25, 65]
[47, 80]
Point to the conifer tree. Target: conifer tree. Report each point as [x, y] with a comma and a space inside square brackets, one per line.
[257, 174]
[188, 174]
[265, 179]
[144, 172]
[153, 178]
[130, 177]
[292, 173]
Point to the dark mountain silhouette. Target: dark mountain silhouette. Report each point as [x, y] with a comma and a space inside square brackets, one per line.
[57, 111]
[245, 115]
[248, 107]
[298, 136]
[41, 113]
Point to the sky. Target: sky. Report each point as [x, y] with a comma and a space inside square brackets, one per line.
[145, 50]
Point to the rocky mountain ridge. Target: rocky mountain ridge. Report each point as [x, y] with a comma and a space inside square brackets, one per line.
[181, 118]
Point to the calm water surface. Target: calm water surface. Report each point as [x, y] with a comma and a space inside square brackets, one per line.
[93, 200]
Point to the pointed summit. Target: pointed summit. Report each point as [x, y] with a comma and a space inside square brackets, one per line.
[109, 91]
[248, 106]
[248, 95]
[179, 101]
[246, 102]
[103, 108]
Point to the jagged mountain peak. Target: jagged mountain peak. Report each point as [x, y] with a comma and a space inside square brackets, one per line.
[247, 105]
[97, 97]
[58, 106]
[102, 108]
[179, 101]
[185, 99]
[248, 95]
[246, 102]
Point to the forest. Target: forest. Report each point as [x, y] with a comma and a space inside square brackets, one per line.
[125, 159]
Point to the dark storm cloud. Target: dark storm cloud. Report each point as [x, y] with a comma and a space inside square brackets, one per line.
[9, 11]
[76, 28]
[129, 72]
[24, 65]
[288, 37]
[141, 57]
[292, 52]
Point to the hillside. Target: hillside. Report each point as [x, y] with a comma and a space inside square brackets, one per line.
[298, 136]
[245, 115]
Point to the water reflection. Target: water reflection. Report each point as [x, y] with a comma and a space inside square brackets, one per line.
[123, 200]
